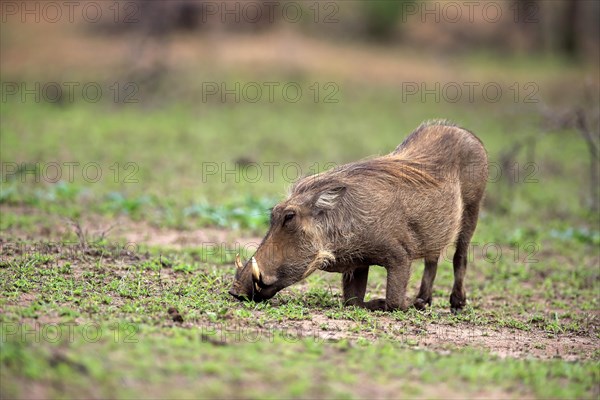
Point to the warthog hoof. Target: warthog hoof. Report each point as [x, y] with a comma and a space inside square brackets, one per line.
[421, 304]
[457, 303]
[376, 305]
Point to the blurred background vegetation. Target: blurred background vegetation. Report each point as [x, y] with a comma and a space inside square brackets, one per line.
[369, 72]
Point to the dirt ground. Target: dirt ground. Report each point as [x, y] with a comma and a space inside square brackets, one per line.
[500, 341]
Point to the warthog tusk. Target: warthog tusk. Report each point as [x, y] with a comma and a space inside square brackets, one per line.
[238, 262]
[255, 274]
[255, 270]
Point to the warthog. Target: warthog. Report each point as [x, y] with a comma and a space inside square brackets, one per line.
[385, 211]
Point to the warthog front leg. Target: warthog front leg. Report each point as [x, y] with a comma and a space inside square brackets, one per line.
[397, 281]
[354, 285]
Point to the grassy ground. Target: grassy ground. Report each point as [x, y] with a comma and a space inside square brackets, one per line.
[98, 320]
[116, 285]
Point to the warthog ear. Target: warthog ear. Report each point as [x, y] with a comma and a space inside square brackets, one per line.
[329, 197]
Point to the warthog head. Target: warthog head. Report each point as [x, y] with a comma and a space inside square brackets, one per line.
[293, 248]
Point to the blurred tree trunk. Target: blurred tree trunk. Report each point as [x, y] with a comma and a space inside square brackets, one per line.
[569, 26]
[581, 123]
[527, 18]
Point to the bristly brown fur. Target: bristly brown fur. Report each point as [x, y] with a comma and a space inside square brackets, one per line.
[390, 169]
[386, 211]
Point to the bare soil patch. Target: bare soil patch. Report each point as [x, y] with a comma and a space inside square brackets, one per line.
[502, 342]
[134, 234]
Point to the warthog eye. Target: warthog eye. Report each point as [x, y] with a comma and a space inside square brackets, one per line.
[288, 217]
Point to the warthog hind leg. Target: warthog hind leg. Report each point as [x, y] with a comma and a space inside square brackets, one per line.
[458, 298]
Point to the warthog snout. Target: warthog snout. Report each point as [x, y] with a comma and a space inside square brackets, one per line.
[249, 284]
